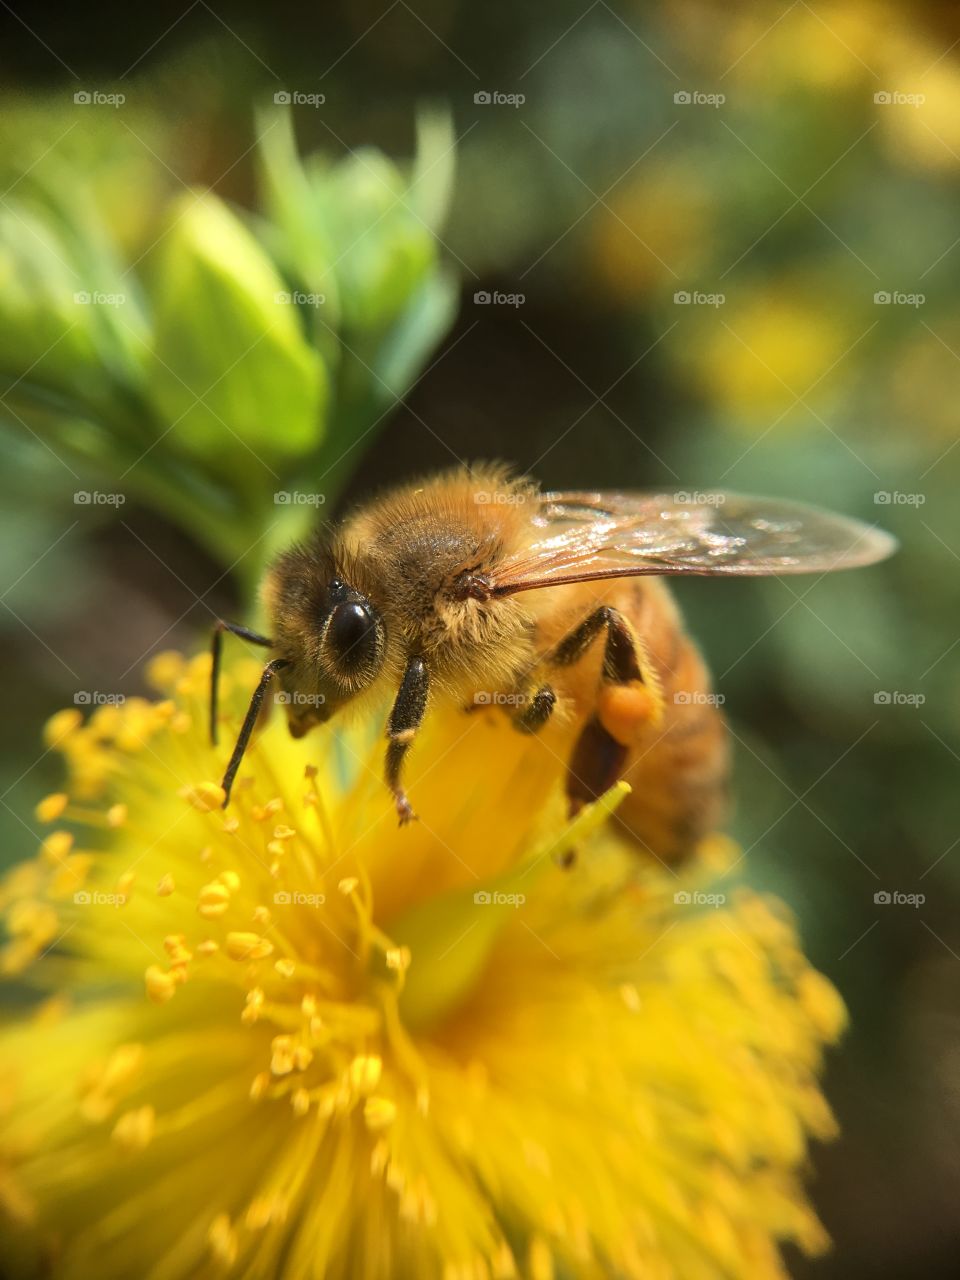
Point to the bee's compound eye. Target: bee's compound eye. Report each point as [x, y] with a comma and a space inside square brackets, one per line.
[353, 635]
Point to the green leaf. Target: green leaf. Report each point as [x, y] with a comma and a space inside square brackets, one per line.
[232, 373]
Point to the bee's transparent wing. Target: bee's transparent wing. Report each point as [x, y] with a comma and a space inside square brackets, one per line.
[580, 536]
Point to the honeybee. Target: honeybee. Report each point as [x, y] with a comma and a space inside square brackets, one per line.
[472, 581]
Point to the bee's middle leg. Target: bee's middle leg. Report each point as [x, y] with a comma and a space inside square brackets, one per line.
[405, 719]
[624, 702]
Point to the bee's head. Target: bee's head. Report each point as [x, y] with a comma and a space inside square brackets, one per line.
[330, 630]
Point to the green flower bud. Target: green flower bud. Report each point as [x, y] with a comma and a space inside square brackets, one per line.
[231, 372]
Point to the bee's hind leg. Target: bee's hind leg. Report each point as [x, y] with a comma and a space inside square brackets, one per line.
[625, 701]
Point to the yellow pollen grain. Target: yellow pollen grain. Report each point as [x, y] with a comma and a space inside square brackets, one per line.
[231, 825]
[160, 985]
[242, 945]
[347, 885]
[116, 815]
[125, 885]
[258, 1085]
[283, 833]
[206, 796]
[285, 968]
[230, 880]
[222, 1239]
[261, 916]
[300, 1101]
[165, 885]
[365, 1071]
[134, 1129]
[51, 807]
[208, 947]
[213, 901]
[379, 1113]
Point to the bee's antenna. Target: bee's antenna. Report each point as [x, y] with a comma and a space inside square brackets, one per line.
[249, 720]
[216, 644]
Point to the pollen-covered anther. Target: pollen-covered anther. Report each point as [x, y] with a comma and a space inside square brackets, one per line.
[117, 816]
[261, 916]
[260, 812]
[285, 967]
[300, 1101]
[205, 796]
[265, 1210]
[365, 1072]
[175, 945]
[283, 833]
[242, 945]
[165, 885]
[347, 885]
[282, 1059]
[125, 885]
[208, 947]
[254, 1005]
[160, 984]
[56, 846]
[51, 807]
[214, 898]
[135, 1128]
[398, 959]
[379, 1113]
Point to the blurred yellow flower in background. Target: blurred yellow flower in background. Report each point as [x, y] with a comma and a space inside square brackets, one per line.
[292, 1040]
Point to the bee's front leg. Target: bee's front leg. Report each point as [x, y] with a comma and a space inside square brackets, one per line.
[625, 702]
[405, 719]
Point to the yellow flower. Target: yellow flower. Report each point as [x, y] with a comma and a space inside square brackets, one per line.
[291, 1039]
